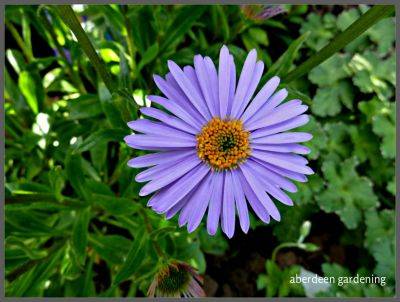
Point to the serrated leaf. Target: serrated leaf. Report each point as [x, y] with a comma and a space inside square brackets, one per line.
[347, 194]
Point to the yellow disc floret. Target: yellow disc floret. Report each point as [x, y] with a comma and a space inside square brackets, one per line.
[223, 144]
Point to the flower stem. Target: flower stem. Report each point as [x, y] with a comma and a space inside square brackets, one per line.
[72, 73]
[368, 19]
[14, 32]
[149, 230]
[71, 20]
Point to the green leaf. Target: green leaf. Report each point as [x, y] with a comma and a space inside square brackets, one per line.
[328, 100]
[330, 71]
[149, 55]
[383, 34]
[111, 248]
[73, 165]
[347, 194]
[380, 225]
[134, 258]
[85, 106]
[101, 137]
[282, 66]
[116, 205]
[110, 110]
[372, 16]
[80, 234]
[32, 89]
[184, 20]
[320, 139]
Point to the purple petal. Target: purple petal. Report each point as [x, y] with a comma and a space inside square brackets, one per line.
[273, 190]
[282, 126]
[262, 112]
[275, 160]
[244, 81]
[285, 148]
[148, 142]
[258, 190]
[189, 89]
[168, 175]
[214, 209]
[261, 98]
[258, 70]
[255, 204]
[280, 114]
[199, 208]
[213, 76]
[232, 83]
[158, 158]
[273, 177]
[284, 172]
[164, 170]
[284, 138]
[168, 119]
[240, 200]
[156, 128]
[179, 189]
[204, 82]
[224, 80]
[228, 208]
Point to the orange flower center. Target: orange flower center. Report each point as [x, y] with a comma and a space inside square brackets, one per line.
[223, 144]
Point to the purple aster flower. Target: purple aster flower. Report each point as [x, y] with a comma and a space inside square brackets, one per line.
[219, 148]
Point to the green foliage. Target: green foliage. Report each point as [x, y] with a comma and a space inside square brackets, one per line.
[74, 222]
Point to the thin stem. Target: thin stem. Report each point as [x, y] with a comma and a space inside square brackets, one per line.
[71, 20]
[17, 37]
[131, 47]
[281, 246]
[71, 72]
[149, 230]
[368, 19]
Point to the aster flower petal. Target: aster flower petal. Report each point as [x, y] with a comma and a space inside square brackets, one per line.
[168, 197]
[169, 120]
[283, 148]
[189, 89]
[157, 158]
[258, 70]
[212, 74]
[284, 138]
[271, 103]
[281, 113]
[244, 81]
[254, 202]
[214, 209]
[268, 186]
[228, 207]
[166, 173]
[282, 126]
[204, 83]
[240, 201]
[232, 84]
[261, 97]
[155, 128]
[177, 110]
[275, 178]
[153, 142]
[200, 207]
[224, 74]
[273, 159]
[258, 190]
[284, 172]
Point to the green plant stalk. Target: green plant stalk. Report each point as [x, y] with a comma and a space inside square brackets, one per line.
[14, 32]
[72, 73]
[281, 246]
[368, 19]
[131, 47]
[70, 19]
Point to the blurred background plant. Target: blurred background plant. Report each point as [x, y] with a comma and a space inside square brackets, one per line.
[74, 223]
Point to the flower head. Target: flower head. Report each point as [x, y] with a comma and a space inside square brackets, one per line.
[175, 280]
[219, 148]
